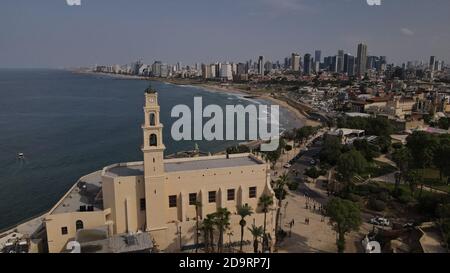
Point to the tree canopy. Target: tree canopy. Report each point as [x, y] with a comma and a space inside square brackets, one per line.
[378, 126]
[350, 164]
[346, 217]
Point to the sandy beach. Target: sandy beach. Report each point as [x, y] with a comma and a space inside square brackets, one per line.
[282, 103]
[217, 88]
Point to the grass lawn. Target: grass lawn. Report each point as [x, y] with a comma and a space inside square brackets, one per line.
[431, 178]
[378, 169]
[405, 188]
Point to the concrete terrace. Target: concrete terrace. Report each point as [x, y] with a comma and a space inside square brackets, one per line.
[185, 164]
[86, 192]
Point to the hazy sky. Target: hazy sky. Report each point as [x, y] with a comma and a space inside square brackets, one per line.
[49, 33]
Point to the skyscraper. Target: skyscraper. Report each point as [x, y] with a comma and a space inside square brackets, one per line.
[361, 63]
[206, 71]
[287, 63]
[307, 64]
[226, 72]
[340, 61]
[432, 62]
[318, 56]
[317, 60]
[382, 63]
[349, 64]
[241, 69]
[334, 64]
[372, 62]
[295, 62]
[327, 63]
[261, 65]
[267, 67]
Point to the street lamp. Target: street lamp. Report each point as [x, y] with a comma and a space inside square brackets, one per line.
[179, 237]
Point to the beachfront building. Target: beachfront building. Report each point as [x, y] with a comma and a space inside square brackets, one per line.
[159, 197]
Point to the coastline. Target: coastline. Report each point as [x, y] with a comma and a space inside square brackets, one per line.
[217, 88]
[29, 225]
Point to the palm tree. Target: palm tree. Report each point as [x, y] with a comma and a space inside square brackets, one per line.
[257, 232]
[265, 202]
[280, 184]
[243, 211]
[222, 221]
[198, 205]
[208, 229]
[413, 178]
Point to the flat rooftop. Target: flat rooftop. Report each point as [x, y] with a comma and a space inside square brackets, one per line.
[194, 164]
[136, 170]
[136, 243]
[86, 192]
[208, 164]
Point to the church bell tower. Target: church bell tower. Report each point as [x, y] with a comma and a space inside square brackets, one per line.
[153, 147]
[153, 150]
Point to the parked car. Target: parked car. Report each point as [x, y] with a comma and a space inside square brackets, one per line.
[380, 221]
[287, 166]
[409, 225]
[312, 162]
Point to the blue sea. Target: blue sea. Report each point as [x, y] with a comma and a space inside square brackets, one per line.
[69, 124]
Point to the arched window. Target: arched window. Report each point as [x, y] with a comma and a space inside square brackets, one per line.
[153, 140]
[152, 119]
[79, 225]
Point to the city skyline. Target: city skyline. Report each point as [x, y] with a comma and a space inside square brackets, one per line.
[53, 34]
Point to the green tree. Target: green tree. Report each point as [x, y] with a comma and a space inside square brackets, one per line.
[402, 157]
[240, 149]
[442, 159]
[222, 222]
[312, 172]
[288, 148]
[444, 123]
[331, 150]
[345, 216]
[384, 143]
[208, 231]
[198, 205]
[304, 133]
[422, 147]
[243, 211]
[265, 202]
[273, 157]
[256, 232]
[351, 164]
[368, 150]
[414, 179]
[378, 126]
[280, 185]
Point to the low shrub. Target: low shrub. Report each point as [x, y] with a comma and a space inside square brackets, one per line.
[293, 186]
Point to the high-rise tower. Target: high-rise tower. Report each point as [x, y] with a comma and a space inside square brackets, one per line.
[361, 63]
